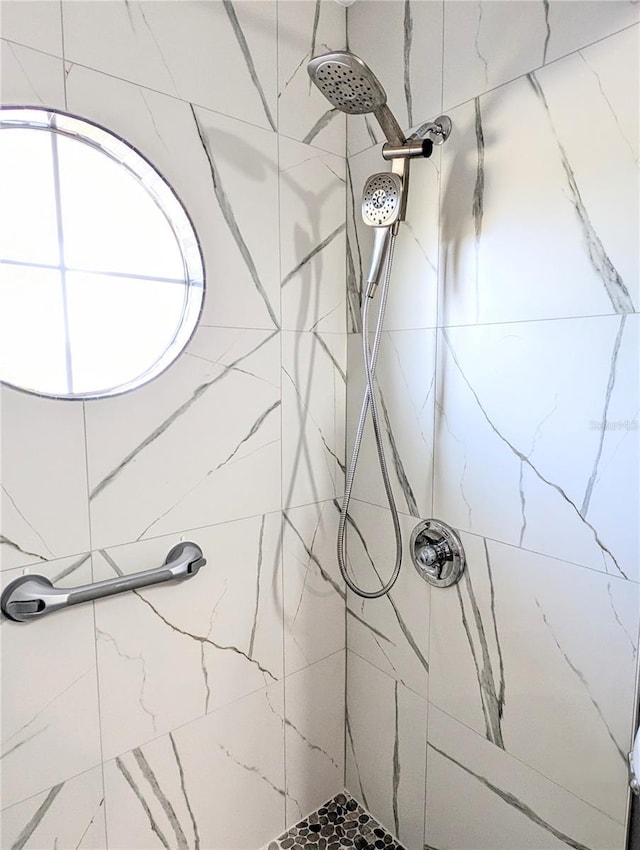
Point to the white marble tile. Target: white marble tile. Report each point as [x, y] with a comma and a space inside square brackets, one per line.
[226, 177]
[30, 78]
[314, 731]
[547, 417]
[307, 29]
[539, 657]
[312, 238]
[391, 632]
[36, 24]
[402, 44]
[505, 803]
[44, 480]
[201, 443]
[572, 27]
[405, 382]
[228, 793]
[386, 750]
[218, 55]
[50, 728]
[312, 458]
[478, 57]
[536, 223]
[314, 595]
[71, 814]
[413, 290]
[174, 652]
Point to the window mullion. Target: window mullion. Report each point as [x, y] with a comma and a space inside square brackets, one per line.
[63, 268]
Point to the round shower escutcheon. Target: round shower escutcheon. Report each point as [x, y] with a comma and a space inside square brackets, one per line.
[437, 553]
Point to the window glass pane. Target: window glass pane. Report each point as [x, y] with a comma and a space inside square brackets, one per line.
[32, 332]
[119, 326]
[28, 225]
[113, 300]
[110, 222]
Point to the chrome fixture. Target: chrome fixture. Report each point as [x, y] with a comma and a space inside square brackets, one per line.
[351, 86]
[382, 206]
[437, 553]
[421, 142]
[32, 596]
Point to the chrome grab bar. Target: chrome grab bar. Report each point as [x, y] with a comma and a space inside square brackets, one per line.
[32, 596]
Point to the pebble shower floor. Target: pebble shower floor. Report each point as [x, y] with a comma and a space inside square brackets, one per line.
[340, 824]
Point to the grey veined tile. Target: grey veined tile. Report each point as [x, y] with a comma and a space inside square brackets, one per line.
[219, 55]
[313, 386]
[386, 749]
[44, 480]
[478, 57]
[37, 24]
[538, 657]
[312, 238]
[535, 223]
[307, 29]
[70, 814]
[172, 653]
[391, 632]
[315, 712]
[30, 77]
[314, 594]
[549, 416]
[216, 783]
[50, 723]
[480, 798]
[194, 434]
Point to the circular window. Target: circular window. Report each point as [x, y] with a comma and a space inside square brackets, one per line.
[101, 275]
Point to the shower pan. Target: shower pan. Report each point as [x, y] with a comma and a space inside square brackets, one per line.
[352, 87]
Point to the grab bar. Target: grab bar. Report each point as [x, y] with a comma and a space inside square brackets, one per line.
[32, 596]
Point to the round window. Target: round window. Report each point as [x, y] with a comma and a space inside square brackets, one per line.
[101, 275]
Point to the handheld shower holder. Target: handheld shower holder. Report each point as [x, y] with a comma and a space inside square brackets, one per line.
[420, 143]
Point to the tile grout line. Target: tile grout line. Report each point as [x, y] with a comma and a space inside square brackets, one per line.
[278, 9]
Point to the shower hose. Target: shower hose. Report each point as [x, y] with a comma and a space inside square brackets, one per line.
[370, 357]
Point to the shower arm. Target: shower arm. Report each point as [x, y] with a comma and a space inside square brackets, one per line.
[389, 125]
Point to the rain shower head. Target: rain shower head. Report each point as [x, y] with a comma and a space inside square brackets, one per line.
[352, 87]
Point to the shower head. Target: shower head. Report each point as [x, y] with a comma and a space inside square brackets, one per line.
[352, 87]
[382, 199]
[382, 206]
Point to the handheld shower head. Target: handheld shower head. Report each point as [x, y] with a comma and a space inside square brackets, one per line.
[382, 203]
[352, 87]
[382, 199]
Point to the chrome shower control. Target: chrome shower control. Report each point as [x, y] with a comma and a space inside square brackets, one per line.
[437, 553]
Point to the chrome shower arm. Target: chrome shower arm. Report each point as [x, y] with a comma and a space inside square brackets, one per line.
[389, 125]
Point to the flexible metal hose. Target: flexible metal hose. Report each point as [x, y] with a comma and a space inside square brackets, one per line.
[370, 357]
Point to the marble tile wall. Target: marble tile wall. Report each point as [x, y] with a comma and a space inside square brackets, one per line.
[210, 714]
[510, 396]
